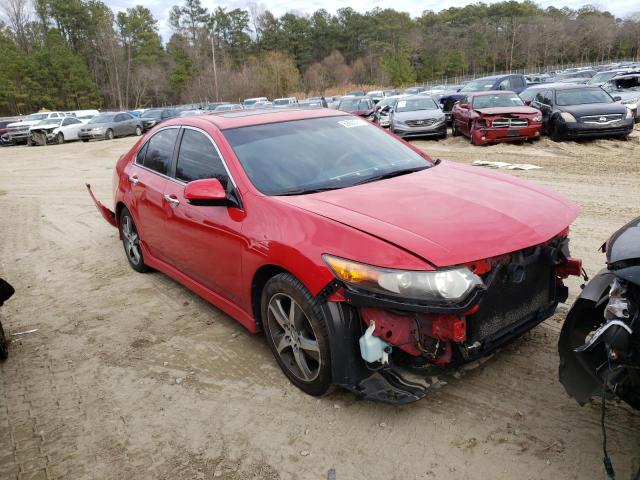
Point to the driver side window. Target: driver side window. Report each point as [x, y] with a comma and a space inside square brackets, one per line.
[199, 159]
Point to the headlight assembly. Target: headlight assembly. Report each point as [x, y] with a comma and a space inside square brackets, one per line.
[567, 117]
[450, 284]
[537, 119]
[630, 101]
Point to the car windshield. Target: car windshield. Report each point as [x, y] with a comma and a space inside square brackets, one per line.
[582, 96]
[478, 86]
[35, 116]
[104, 118]
[414, 104]
[50, 121]
[282, 101]
[308, 155]
[152, 114]
[497, 100]
[353, 105]
[602, 77]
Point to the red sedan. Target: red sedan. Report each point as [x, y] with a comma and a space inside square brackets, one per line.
[354, 252]
[495, 116]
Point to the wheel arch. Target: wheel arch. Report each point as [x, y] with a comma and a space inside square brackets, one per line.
[258, 282]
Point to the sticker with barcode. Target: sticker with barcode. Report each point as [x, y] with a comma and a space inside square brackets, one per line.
[356, 122]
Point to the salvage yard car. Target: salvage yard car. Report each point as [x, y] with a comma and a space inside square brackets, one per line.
[572, 111]
[490, 117]
[361, 106]
[154, 116]
[18, 132]
[107, 126]
[417, 116]
[357, 255]
[55, 130]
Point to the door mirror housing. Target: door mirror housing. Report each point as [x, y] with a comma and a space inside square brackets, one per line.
[208, 191]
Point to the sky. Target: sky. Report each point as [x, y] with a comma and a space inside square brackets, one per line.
[160, 8]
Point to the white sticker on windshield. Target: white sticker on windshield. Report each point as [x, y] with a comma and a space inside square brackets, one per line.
[356, 122]
[402, 103]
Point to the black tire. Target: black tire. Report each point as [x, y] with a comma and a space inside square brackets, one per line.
[554, 132]
[108, 135]
[308, 328]
[471, 139]
[29, 142]
[85, 140]
[138, 131]
[60, 138]
[454, 130]
[131, 242]
[4, 345]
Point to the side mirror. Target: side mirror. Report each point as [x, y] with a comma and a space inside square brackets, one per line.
[617, 98]
[385, 109]
[464, 105]
[208, 191]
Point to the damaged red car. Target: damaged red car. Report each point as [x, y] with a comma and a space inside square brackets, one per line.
[361, 259]
[495, 116]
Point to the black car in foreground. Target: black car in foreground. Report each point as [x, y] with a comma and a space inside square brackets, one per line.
[572, 111]
[152, 117]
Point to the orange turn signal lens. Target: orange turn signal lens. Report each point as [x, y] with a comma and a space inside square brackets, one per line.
[350, 272]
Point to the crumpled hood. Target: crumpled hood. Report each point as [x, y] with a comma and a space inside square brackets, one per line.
[507, 110]
[45, 126]
[449, 214]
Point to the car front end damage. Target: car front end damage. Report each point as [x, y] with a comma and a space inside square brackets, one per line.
[16, 135]
[43, 135]
[468, 312]
[420, 128]
[506, 128]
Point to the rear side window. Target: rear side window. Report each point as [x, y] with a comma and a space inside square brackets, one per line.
[505, 84]
[159, 150]
[199, 159]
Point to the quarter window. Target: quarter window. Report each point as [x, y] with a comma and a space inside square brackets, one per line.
[198, 159]
[160, 150]
[505, 84]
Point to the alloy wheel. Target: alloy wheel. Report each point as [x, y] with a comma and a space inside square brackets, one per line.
[295, 341]
[131, 240]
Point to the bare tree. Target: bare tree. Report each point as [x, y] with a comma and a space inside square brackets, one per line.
[18, 13]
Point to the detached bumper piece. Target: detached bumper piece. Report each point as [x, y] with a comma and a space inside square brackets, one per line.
[107, 214]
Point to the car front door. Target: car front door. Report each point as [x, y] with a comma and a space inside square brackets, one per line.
[70, 128]
[147, 176]
[205, 240]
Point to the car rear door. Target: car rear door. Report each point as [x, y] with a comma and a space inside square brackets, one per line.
[147, 176]
[205, 240]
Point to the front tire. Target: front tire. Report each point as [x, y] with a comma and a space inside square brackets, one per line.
[138, 131]
[60, 138]
[454, 130]
[297, 335]
[131, 242]
[109, 135]
[555, 133]
[4, 345]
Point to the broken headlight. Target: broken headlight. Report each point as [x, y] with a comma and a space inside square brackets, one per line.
[451, 284]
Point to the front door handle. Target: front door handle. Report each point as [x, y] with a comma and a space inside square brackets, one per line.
[134, 179]
[172, 200]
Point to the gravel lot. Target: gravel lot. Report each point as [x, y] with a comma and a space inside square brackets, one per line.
[134, 376]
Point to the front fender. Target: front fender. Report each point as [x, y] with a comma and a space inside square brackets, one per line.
[578, 371]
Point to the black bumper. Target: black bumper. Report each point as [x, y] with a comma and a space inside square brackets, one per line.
[587, 130]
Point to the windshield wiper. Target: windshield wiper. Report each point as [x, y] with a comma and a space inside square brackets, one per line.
[395, 173]
[306, 191]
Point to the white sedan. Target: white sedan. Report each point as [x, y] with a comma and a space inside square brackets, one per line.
[54, 130]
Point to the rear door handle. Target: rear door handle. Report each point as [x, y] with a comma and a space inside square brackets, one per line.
[134, 179]
[172, 200]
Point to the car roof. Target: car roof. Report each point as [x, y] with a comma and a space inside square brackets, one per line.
[573, 86]
[246, 118]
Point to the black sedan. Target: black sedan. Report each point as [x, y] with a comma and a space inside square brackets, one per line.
[572, 111]
[154, 116]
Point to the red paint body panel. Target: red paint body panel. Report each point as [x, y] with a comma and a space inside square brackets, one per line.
[446, 215]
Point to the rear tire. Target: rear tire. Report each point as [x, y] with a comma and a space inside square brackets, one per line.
[297, 335]
[131, 242]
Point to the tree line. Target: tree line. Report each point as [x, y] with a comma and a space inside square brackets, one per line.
[74, 54]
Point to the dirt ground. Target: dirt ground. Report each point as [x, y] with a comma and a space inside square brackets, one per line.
[133, 376]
